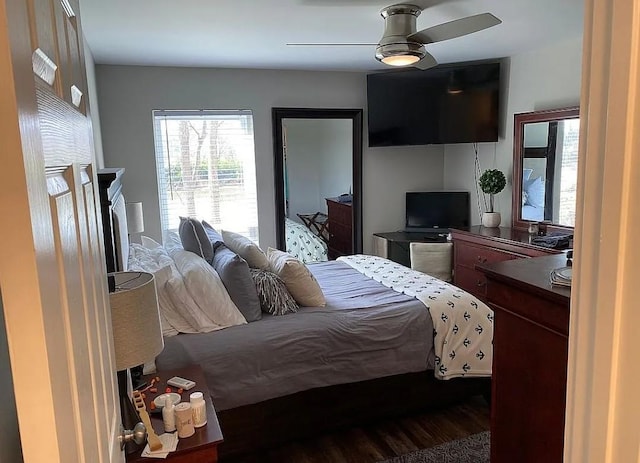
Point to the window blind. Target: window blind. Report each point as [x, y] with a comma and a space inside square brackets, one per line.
[205, 164]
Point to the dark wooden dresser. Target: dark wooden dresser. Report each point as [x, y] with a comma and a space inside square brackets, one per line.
[530, 345]
[340, 226]
[480, 245]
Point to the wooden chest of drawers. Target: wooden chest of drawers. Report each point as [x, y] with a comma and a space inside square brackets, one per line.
[339, 224]
[530, 346]
[479, 245]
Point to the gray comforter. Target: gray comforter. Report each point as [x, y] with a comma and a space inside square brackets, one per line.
[366, 331]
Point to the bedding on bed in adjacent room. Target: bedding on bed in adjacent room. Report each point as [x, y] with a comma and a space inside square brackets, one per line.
[303, 244]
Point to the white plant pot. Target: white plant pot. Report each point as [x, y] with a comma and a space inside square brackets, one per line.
[491, 219]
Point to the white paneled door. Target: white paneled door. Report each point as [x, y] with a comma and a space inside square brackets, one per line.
[52, 272]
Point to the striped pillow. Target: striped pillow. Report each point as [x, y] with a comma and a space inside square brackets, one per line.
[273, 294]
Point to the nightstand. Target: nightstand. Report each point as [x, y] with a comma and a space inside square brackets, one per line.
[202, 447]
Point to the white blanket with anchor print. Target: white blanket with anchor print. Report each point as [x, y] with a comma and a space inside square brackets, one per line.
[463, 325]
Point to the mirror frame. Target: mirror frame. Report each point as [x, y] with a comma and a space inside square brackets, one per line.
[278, 114]
[518, 139]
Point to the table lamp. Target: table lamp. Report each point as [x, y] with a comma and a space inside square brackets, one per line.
[137, 335]
[135, 217]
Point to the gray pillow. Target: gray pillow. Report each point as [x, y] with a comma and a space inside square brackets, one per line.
[194, 238]
[274, 296]
[215, 238]
[234, 273]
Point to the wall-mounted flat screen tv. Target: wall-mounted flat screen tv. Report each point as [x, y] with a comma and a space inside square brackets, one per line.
[445, 104]
[437, 211]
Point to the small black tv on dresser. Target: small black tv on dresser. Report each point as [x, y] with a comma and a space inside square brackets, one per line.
[437, 211]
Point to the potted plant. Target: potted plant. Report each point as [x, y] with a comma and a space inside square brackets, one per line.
[491, 182]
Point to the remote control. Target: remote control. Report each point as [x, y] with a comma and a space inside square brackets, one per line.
[183, 383]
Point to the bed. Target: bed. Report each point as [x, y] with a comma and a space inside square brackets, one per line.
[533, 194]
[303, 243]
[370, 352]
[533, 213]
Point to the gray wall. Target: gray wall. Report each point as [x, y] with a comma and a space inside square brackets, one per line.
[94, 112]
[547, 78]
[336, 175]
[319, 161]
[128, 94]
[10, 450]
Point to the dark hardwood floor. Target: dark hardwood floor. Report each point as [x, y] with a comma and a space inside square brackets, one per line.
[381, 440]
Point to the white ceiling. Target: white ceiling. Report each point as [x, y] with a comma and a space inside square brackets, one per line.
[254, 33]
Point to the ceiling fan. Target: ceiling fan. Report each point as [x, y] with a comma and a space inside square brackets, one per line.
[401, 45]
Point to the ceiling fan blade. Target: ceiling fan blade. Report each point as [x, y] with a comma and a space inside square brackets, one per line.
[320, 44]
[456, 28]
[428, 61]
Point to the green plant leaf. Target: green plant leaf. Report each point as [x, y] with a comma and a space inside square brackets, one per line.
[492, 181]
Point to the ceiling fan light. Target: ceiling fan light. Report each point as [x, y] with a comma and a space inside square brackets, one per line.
[400, 53]
[400, 60]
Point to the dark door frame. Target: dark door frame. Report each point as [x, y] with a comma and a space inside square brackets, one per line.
[278, 156]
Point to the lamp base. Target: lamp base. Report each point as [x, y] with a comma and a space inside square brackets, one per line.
[128, 412]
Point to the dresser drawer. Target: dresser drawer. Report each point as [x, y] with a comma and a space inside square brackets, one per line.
[506, 297]
[471, 280]
[470, 255]
[340, 237]
[339, 213]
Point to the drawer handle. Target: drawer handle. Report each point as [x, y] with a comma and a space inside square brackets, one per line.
[480, 283]
[482, 259]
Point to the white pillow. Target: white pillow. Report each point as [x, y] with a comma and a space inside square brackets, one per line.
[187, 307]
[207, 290]
[149, 243]
[535, 192]
[246, 249]
[297, 278]
[143, 260]
[170, 319]
[171, 241]
[182, 300]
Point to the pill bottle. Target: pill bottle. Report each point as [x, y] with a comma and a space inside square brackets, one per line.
[198, 409]
[184, 420]
[168, 415]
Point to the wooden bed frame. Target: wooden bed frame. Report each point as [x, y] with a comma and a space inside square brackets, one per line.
[308, 413]
[110, 186]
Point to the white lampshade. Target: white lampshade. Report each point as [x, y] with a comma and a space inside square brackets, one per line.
[135, 217]
[137, 335]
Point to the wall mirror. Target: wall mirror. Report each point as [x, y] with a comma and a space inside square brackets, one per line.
[318, 180]
[545, 167]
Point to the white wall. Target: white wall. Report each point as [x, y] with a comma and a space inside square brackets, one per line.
[10, 450]
[94, 113]
[547, 78]
[128, 94]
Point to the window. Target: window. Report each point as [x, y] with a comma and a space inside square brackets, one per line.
[568, 171]
[206, 169]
